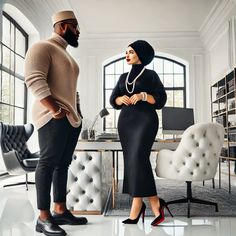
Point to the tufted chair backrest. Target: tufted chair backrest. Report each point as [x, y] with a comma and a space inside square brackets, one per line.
[14, 137]
[196, 158]
[84, 182]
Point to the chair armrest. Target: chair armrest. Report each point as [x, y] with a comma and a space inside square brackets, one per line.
[163, 160]
[165, 155]
[30, 163]
[12, 163]
[34, 155]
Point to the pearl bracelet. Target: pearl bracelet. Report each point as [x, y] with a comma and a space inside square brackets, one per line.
[144, 96]
[57, 112]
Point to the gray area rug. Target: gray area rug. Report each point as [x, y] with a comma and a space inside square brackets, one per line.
[172, 190]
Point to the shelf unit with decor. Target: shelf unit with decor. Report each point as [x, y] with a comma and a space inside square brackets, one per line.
[223, 111]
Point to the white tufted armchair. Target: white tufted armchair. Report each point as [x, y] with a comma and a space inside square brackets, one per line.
[195, 159]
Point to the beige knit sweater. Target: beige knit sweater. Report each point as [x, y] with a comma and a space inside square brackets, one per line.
[50, 70]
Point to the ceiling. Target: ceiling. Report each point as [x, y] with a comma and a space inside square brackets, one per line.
[113, 16]
[123, 16]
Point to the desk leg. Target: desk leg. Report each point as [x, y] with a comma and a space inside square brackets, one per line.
[113, 179]
[117, 169]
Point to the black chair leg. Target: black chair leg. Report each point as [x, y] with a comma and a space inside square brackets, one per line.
[189, 203]
[189, 199]
[26, 183]
[17, 184]
[182, 200]
[200, 201]
[213, 183]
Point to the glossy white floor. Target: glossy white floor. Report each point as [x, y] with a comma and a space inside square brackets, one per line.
[18, 214]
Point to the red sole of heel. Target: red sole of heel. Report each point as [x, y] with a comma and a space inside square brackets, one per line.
[158, 222]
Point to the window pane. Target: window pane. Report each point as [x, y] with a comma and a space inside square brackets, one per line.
[178, 69]
[108, 94]
[0, 85]
[178, 98]
[150, 66]
[158, 65]
[170, 101]
[110, 119]
[6, 88]
[110, 81]
[12, 90]
[117, 117]
[110, 69]
[159, 113]
[161, 76]
[168, 81]
[12, 39]
[12, 63]
[178, 81]
[19, 65]
[126, 67]
[19, 93]
[19, 116]
[6, 31]
[0, 53]
[6, 57]
[20, 43]
[6, 114]
[117, 78]
[119, 67]
[168, 66]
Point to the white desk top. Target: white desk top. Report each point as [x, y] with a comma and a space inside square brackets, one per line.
[111, 145]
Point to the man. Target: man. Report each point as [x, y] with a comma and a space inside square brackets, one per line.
[51, 75]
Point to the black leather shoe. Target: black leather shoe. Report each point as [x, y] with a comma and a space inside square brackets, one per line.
[67, 218]
[49, 227]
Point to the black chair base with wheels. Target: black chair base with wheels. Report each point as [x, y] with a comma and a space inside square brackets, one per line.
[190, 199]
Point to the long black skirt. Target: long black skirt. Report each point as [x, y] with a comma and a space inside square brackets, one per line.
[137, 127]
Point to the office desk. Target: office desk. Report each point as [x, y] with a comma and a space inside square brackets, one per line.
[115, 147]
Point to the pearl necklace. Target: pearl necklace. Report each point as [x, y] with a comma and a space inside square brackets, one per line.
[133, 82]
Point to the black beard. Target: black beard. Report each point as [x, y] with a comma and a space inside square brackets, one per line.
[71, 38]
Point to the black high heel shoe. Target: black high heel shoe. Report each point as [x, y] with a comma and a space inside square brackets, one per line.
[135, 221]
[161, 217]
[164, 205]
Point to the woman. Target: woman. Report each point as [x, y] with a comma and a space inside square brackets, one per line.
[138, 94]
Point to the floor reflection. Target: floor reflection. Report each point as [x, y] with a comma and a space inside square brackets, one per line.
[15, 214]
[18, 213]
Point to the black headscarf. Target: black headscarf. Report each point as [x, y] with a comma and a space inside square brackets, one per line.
[144, 51]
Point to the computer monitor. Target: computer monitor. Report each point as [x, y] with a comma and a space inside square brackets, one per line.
[175, 120]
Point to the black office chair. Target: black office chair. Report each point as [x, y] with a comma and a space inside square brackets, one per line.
[16, 155]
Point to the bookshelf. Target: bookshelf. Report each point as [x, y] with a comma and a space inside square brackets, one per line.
[223, 111]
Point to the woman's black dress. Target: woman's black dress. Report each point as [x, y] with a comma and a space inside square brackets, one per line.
[137, 127]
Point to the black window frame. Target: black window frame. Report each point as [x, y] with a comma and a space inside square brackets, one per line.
[12, 72]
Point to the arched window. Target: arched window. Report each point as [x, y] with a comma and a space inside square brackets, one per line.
[13, 93]
[171, 72]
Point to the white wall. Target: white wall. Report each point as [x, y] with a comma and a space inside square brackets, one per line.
[206, 60]
[218, 36]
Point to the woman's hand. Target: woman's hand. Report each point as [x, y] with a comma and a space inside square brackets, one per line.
[123, 100]
[135, 98]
